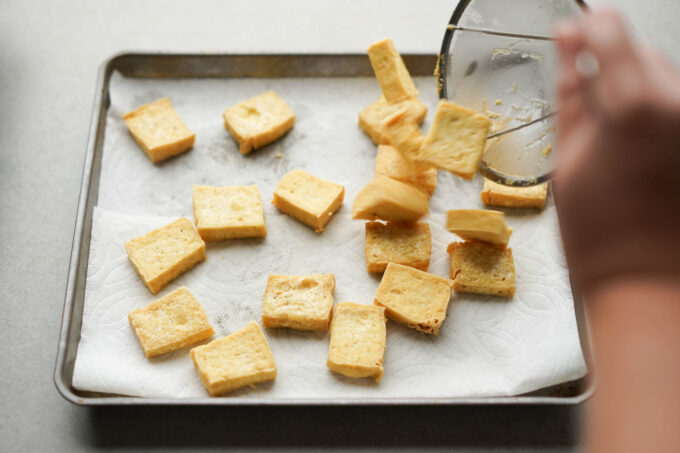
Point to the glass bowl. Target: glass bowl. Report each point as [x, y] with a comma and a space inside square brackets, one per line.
[511, 79]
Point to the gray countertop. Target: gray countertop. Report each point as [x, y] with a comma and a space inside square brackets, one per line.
[49, 55]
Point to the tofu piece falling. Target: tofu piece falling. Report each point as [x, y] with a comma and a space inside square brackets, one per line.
[371, 118]
[391, 163]
[402, 132]
[388, 199]
[456, 140]
[478, 224]
[391, 72]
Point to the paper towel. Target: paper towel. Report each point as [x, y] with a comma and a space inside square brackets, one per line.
[487, 346]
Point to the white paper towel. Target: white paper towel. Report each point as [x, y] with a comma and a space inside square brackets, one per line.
[487, 346]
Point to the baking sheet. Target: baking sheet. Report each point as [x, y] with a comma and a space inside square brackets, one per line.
[487, 346]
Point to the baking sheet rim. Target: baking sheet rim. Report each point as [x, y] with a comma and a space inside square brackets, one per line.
[80, 255]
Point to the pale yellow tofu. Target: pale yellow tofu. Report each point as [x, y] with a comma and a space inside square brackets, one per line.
[414, 298]
[163, 254]
[456, 140]
[357, 346]
[159, 130]
[299, 302]
[311, 200]
[409, 244]
[170, 323]
[391, 163]
[495, 194]
[479, 224]
[258, 121]
[228, 212]
[371, 118]
[240, 359]
[402, 132]
[482, 268]
[391, 72]
[388, 199]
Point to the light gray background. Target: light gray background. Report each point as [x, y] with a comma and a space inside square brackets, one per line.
[49, 55]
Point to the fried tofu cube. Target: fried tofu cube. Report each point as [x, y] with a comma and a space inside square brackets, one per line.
[495, 194]
[479, 224]
[388, 199]
[170, 323]
[409, 244]
[391, 72]
[228, 212]
[240, 359]
[159, 130]
[258, 121]
[357, 346]
[391, 163]
[371, 118]
[414, 298]
[299, 302]
[482, 268]
[311, 200]
[163, 254]
[402, 132]
[456, 140]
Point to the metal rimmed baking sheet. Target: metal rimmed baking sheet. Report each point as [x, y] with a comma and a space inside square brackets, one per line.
[227, 66]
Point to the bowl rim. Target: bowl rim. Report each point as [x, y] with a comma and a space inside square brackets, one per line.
[441, 71]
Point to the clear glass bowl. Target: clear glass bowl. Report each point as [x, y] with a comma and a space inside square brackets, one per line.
[510, 79]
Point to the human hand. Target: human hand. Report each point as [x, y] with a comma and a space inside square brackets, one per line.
[617, 183]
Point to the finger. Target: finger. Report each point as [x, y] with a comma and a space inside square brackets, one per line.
[570, 96]
[605, 35]
[655, 58]
[569, 43]
[663, 75]
[574, 149]
[620, 79]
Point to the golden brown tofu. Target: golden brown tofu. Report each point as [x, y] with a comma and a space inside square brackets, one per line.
[414, 298]
[391, 72]
[163, 254]
[387, 199]
[258, 121]
[357, 345]
[309, 199]
[482, 268]
[159, 130]
[479, 224]
[371, 118]
[495, 194]
[170, 323]
[409, 244]
[299, 302]
[456, 140]
[228, 212]
[402, 132]
[391, 163]
[240, 359]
